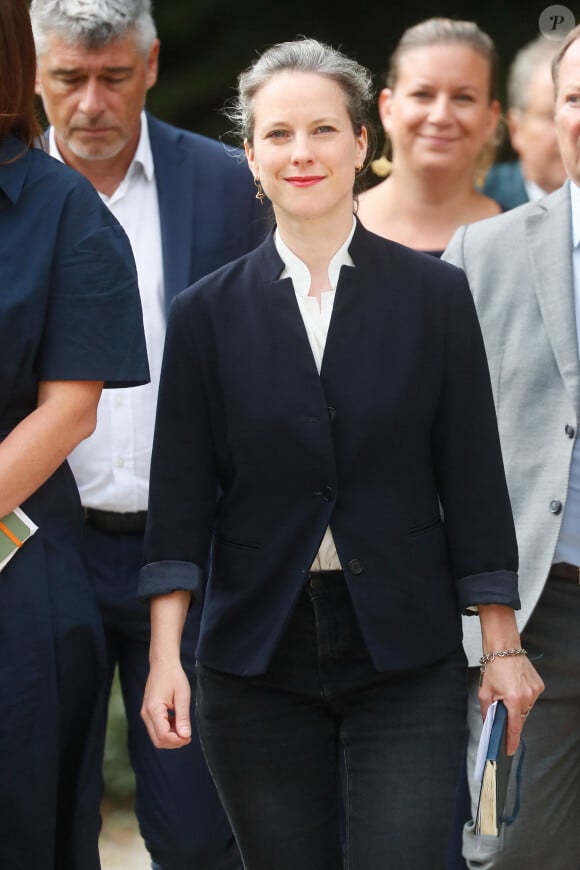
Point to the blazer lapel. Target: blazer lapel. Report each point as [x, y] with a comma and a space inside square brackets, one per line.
[175, 172]
[291, 347]
[354, 311]
[549, 236]
[347, 320]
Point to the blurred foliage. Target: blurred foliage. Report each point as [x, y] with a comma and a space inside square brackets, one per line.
[205, 44]
[117, 770]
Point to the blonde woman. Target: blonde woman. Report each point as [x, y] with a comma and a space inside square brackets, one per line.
[440, 118]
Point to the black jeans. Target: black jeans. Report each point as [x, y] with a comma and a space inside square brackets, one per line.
[325, 763]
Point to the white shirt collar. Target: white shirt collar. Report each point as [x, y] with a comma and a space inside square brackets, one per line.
[534, 191]
[143, 157]
[575, 201]
[297, 270]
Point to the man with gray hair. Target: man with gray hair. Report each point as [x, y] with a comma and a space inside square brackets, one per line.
[530, 117]
[188, 206]
[523, 268]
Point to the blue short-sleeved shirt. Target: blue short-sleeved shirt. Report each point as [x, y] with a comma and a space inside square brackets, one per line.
[69, 300]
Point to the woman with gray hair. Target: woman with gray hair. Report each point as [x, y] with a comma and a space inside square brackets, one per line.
[320, 397]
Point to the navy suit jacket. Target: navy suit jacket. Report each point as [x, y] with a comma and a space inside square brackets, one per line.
[208, 210]
[255, 453]
[207, 207]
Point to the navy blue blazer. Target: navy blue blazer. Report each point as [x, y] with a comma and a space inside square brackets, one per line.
[208, 210]
[255, 453]
[207, 207]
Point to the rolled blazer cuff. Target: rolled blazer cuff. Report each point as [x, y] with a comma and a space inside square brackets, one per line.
[161, 578]
[493, 587]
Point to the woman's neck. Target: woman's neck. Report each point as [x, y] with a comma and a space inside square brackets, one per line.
[422, 210]
[315, 242]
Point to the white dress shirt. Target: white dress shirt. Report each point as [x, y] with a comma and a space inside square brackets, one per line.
[112, 466]
[568, 546]
[316, 319]
[533, 190]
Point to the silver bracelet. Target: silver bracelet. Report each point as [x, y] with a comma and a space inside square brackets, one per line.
[488, 658]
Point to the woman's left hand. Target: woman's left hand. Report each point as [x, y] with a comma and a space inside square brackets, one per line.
[509, 678]
[515, 681]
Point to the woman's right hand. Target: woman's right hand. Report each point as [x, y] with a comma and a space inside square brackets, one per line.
[166, 703]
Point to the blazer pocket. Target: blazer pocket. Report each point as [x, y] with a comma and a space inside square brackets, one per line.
[416, 531]
[243, 546]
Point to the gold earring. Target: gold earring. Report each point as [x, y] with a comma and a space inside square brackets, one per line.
[359, 167]
[259, 192]
[382, 166]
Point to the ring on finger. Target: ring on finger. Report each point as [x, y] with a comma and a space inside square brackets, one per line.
[527, 713]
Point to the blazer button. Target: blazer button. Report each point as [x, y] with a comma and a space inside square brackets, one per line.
[555, 505]
[569, 430]
[355, 566]
[327, 493]
[331, 413]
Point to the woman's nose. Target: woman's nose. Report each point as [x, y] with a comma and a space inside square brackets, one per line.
[302, 151]
[440, 109]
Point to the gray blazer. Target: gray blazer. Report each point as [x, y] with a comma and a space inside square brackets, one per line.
[519, 267]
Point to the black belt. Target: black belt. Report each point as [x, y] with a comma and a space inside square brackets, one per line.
[113, 523]
[566, 571]
[317, 579]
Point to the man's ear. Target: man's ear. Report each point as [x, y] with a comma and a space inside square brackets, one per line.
[152, 64]
[37, 83]
[514, 122]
